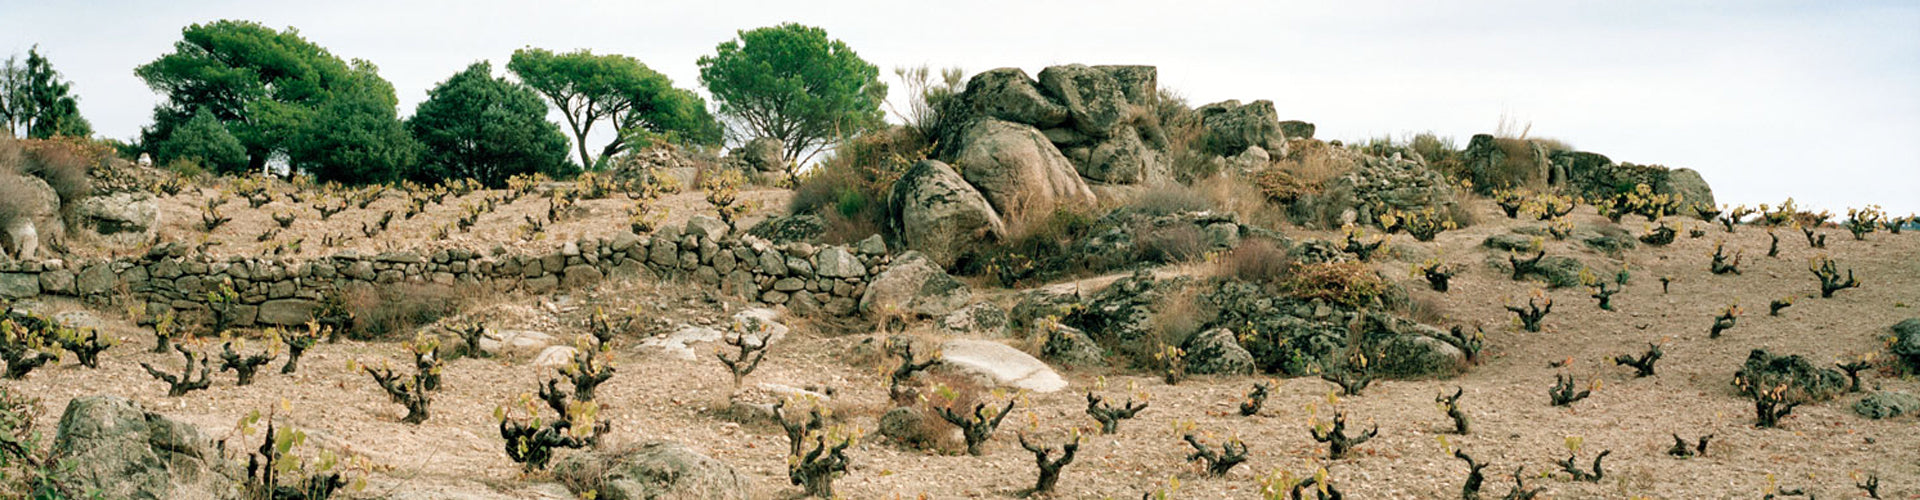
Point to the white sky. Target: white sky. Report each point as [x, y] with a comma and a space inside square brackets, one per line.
[1819, 101]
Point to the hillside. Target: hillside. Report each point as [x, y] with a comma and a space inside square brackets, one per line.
[1054, 237]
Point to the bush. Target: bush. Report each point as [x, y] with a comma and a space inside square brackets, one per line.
[1440, 153]
[13, 196]
[1350, 284]
[380, 312]
[856, 180]
[203, 142]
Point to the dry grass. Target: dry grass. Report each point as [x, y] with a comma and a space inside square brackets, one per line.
[1239, 196]
[1351, 284]
[1304, 171]
[1177, 316]
[1172, 243]
[1426, 310]
[1255, 261]
[64, 163]
[381, 312]
[1166, 200]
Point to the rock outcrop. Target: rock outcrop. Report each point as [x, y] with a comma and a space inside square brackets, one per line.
[120, 220]
[1017, 169]
[652, 471]
[118, 449]
[1500, 163]
[1232, 127]
[994, 364]
[936, 211]
[914, 284]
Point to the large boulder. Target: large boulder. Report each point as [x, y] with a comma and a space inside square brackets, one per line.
[1596, 176]
[1070, 346]
[1502, 163]
[1096, 103]
[914, 284]
[761, 154]
[123, 219]
[1296, 129]
[1121, 159]
[113, 447]
[936, 212]
[36, 215]
[980, 320]
[1692, 188]
[994, 364]
[1018, 170]
[1217, 352]
[1121, 315]
[1009, 94]
[1231, 127]
[1905, 344]
[1416, 356]
[652, 471]
[1887, 404]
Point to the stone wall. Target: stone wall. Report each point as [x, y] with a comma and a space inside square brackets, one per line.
[806, 278]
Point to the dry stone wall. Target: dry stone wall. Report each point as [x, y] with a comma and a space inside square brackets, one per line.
[806, 278]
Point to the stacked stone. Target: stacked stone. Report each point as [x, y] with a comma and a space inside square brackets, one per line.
[802, 276]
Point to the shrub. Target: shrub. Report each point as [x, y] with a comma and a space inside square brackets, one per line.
[855, 181]
[381, 311]
[26, 469]
[1350, 284]
[1186, 157]
[1439, 152]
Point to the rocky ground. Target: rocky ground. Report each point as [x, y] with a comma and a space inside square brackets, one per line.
[658, 395]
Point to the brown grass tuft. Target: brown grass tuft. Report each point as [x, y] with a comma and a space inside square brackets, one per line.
[384, 311]
[1350, 284]
[1256, 261]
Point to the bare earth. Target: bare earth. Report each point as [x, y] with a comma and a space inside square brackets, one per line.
[458, 451]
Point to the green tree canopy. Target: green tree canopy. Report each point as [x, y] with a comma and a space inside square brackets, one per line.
[590, 89]
[792, 83]
[354, 137]
[205, 141]
[488, 129]
[34, 100]
[276, 92]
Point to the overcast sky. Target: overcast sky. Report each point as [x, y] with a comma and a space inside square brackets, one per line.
[1815, 100]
